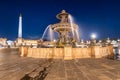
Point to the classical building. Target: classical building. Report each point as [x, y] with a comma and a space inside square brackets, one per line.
[3, 42]
[29, 42]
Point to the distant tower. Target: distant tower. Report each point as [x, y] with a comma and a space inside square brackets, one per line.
[20, 27]
[20, 40]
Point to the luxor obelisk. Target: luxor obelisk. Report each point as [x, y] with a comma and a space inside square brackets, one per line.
[19, 41]
[20, 27]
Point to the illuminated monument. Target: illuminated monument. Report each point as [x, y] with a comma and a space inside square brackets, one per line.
[19, 40]
[68, 35]
[20, 26]
[66, 29]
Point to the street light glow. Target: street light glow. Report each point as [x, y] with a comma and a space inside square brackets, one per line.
[93, 36]
[54, 40]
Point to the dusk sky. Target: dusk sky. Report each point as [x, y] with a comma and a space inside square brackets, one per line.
[93, 16]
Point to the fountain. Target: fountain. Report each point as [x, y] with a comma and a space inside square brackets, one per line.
[68, 32]
[65, 29]
[67, 45]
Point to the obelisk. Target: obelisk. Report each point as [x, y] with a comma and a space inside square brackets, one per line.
[19, 39]
[20, 27]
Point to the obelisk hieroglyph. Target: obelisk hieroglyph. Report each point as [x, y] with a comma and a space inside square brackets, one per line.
[20, 27]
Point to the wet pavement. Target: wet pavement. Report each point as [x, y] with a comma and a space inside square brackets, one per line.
[14, 67]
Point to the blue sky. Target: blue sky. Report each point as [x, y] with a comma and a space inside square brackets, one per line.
[93, 16]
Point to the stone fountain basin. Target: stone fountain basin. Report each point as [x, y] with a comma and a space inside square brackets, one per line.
[63, 27]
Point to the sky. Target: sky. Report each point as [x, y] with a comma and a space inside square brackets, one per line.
[101, 17]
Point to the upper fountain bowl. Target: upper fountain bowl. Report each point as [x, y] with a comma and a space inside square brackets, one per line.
[62, 15]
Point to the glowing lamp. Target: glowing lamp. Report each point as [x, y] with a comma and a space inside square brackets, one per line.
[93, 36]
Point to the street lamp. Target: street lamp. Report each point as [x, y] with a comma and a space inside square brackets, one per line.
[93, 39]
[54, 42]
[93, 36]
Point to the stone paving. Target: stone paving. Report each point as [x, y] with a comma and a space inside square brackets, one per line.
[85, 69]
[14, 67]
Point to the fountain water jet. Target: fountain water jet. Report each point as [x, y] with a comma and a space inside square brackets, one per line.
[50, 33]
[70, 19]
[77, 35]
[75, 32]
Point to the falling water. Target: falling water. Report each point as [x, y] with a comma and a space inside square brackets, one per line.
[77, 34]
[45, 31]
[51, 33]
[70, 19]
[74, 32]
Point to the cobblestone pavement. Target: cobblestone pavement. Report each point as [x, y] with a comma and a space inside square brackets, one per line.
[14, 67]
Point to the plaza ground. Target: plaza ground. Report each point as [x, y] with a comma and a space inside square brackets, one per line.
[14, 67]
